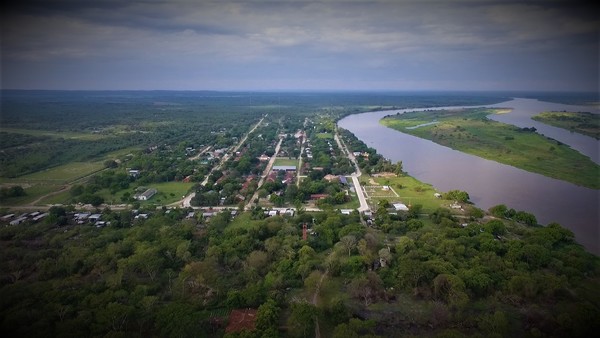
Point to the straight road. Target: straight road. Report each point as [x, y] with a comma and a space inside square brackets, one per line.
[185, 202]
[264, 175]
[364, 206]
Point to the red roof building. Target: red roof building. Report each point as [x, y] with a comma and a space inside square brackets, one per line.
[241, 319]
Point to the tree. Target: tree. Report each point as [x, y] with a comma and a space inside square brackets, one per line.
[348, 243]
[367, 288]
[302, 320]
[267, 316]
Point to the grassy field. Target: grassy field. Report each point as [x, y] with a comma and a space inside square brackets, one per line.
[470, 131]
[64, 173]
[583, 123]
[286, 161]
[57, 134]
[410, 191]
[325, 135]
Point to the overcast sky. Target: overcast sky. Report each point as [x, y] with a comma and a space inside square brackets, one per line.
[287, 45]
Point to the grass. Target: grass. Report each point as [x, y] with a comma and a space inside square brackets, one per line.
[325, 135]
[410, 191]
[470, 131]
[34, 191]
[63, 173]
[57, 134]
[286, 161]
[168, 192]
[583, 123]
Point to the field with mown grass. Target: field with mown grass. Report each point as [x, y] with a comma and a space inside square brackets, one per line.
[470, 131]
[285, 161]
[410, 191]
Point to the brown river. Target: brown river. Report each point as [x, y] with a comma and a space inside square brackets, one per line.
[490, 183]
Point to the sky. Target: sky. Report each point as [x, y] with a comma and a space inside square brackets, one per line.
[397, 45]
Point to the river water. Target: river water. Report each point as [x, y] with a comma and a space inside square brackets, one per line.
[490, 183]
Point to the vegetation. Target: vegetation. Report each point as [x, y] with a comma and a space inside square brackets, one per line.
[472, 132]
[583, 123]
[157, 269]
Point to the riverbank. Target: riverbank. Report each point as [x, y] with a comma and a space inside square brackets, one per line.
[470, 131]
[580, 122]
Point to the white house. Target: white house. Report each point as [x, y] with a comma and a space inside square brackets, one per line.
[146, 195]
[400, 207]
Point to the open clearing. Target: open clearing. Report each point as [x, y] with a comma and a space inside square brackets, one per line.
[408, 189]
[63, 173]
[285, 161]
[57, 134]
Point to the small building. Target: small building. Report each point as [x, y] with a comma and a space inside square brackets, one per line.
[330, 177]
[284, 168]
[40, 216]
[400, 207]
[437, 195]
[263, 158]
[146, 195]
[385, 188]
[346, 211]
[7, 217]
[133, 173]
[241, 319]
[318, 196]
[83, 216]
[94, 218]
[18, 221]
[343, 180]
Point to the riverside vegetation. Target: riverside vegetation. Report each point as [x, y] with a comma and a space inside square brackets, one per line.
[470, 131]
[580, 122]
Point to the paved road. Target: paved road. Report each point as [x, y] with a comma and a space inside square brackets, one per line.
[264, 175]
[364, 206]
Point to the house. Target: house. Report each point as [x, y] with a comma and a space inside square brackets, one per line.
[437, 195]
[133, 173]
[330, 177]
[141, 216]
[346, 211]
[318, 196]
[263, 158]
[284, 168]
[7, 217]
[94, 218]
[272, 213]
[385, 188]
[18, 221]
[80, 217]
[146, 195]
[241, 319]
[343, 180]
[400, 207]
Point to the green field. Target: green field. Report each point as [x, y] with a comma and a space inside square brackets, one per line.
[470, 131]
[286, 161]
[410, 191]
[325, 135]
[63, 173]
[583, 123]
[57, 134]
